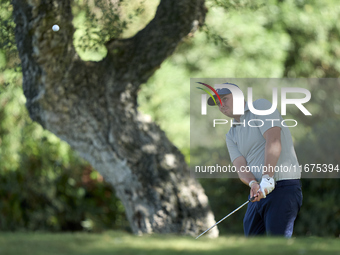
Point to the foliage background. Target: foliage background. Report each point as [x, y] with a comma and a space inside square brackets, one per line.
[44, 185]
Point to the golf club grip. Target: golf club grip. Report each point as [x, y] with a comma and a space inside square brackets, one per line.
[251, 199]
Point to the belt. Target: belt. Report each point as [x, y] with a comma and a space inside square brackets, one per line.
[288, 182]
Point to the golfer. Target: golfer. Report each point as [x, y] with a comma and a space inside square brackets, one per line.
[263, 153]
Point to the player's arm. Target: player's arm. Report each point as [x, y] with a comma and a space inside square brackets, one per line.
[271, 156]
[272, 149]
[246, 176]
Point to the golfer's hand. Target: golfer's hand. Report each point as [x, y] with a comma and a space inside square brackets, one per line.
[255, 187]
[266, 186]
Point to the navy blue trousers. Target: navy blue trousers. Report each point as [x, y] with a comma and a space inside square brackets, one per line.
[275, 214]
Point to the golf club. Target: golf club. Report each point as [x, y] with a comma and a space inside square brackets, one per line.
[249, 200]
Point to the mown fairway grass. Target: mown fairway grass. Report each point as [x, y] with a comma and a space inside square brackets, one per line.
[123, 244]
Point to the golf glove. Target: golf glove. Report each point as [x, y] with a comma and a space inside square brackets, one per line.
[267, 183]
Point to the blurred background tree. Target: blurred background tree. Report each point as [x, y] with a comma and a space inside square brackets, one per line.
[241, 39]
[92, 105]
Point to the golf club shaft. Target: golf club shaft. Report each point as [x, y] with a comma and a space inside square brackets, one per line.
[249, 200]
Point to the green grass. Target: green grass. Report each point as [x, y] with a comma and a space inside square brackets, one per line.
[123, 244]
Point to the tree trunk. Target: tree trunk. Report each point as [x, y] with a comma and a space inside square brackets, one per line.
[92, 106]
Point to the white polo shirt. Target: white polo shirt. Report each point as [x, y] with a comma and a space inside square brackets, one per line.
[245, 138]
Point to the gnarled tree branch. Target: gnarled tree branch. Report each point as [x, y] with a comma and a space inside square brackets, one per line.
[143, 53]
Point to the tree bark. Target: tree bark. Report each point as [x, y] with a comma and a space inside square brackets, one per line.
[92, 106]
